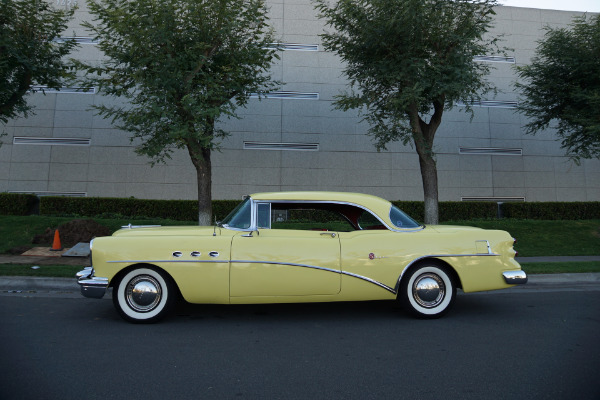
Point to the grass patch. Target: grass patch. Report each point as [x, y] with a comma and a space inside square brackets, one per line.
[547, 238]
[561, 267]
[56, 271]
[18, 231]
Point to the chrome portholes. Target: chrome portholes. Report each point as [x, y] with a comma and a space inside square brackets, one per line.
[428, 290]
[143, 293]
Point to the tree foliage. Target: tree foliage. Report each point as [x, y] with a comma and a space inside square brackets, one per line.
[182, 66]
[561, 87]
[28, 54]
[407, 61]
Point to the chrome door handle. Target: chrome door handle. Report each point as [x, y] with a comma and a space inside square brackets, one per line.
[332, 234]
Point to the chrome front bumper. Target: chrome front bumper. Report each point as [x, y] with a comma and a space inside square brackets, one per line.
[515, 277]
[91, 286]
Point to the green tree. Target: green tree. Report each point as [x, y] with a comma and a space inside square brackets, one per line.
[407, 61]
[182, 66]
[28, 54]
[561, 87]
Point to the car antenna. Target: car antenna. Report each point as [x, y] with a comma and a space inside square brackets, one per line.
[215, 227]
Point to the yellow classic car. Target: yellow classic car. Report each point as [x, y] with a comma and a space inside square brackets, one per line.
[293, 247]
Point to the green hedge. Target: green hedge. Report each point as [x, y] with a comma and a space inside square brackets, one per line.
[552, 210]
[17, 204]
[187, 210]
[182, 210]
[451, 210]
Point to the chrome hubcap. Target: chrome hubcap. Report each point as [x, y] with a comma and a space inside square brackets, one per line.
[428, 290]
[143, 293]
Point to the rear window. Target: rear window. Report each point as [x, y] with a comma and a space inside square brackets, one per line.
[401, 220]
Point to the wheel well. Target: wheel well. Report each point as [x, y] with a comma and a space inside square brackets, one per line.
[124, 271]
[436, 261]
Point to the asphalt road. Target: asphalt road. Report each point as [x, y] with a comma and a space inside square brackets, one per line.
[517, 344]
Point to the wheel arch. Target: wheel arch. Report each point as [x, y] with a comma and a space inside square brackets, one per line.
[429, 260]
[119, 275]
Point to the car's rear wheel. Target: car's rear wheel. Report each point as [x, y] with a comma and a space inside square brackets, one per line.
[427, 291]
[144, 295]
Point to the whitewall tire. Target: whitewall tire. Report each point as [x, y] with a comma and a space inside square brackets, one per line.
[144, 295]
[427, 291]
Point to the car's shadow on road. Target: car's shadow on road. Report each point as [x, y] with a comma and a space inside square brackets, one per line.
[467, 306]
[296, 311]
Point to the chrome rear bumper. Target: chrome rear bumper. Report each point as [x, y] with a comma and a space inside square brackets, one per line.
[91, 286]
[515, 277]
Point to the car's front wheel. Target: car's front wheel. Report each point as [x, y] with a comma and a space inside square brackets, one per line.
[427, 291]
[144, 295]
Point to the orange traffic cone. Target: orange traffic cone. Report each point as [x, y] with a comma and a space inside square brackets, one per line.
[56, 246]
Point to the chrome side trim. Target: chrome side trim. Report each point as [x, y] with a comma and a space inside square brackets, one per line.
[286, 263]
[129, 226]
[164, 261]
[515, 277]
[364, 278]
[373, 281]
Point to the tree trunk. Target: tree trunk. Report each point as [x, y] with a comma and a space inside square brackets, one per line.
[430, 188]
[423, 135]
[201, 159]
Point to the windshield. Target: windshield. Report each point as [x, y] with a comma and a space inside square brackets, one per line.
[240, 217]
[401, 220]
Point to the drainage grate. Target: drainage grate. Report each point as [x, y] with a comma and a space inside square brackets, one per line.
[288, 95]
[294, 46]
[495, 199]
[490, 103]
[493, 151]
[51, 141]
[281, 146]
[495, 59]
[46, 193]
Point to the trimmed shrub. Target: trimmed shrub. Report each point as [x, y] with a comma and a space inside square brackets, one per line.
[573, 210]
[451, 210]
[181, 210]
[187, 210]
[17, 203]
[222, 208]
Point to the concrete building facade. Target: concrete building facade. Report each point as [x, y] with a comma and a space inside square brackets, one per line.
[295, 140]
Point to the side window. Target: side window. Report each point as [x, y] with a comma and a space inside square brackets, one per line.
[263, 218]
[366, 220]
[285, 216]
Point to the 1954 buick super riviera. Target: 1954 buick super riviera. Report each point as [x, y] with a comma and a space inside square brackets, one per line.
[294, 247]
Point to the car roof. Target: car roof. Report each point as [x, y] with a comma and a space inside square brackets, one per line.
[376, 204]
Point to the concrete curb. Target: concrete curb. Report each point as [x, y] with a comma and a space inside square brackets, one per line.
[29, 283]
[35, 283]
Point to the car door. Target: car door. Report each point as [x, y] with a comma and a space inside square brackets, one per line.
[285, 262]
